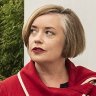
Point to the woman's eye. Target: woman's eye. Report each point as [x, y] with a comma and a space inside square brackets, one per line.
[50, 33]
[33, 31]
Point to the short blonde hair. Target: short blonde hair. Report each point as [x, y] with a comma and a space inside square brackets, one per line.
[74, 32]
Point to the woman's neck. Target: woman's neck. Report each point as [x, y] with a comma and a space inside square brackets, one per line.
[53, 74]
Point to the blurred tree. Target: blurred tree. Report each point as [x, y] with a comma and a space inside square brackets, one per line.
[11, 45]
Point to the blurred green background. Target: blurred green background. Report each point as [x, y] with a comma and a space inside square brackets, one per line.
[11, 44]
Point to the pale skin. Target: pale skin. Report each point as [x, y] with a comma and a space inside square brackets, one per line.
[48, 34]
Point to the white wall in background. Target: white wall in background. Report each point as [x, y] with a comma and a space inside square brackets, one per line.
[85, 9]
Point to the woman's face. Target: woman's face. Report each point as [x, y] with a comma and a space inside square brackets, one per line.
[46, 40]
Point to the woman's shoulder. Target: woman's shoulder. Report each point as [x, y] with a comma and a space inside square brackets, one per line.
[10, 87]
[7, 85]
[2, 89]
[10, 81]
[86, 75]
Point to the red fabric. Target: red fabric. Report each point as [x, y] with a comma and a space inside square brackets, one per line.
[35, 87]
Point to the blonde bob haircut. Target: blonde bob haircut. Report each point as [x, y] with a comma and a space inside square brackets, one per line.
[73, 29]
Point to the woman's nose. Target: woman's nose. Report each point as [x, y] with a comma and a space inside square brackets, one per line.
[39, 38]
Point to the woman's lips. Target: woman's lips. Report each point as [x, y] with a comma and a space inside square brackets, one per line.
[38, 50]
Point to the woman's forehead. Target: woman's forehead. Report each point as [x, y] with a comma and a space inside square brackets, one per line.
[50, 20]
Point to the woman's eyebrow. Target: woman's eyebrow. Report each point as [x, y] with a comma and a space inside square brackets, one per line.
[50, 28]
[33, 26]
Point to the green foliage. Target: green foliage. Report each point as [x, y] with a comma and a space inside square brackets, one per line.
[11, 45]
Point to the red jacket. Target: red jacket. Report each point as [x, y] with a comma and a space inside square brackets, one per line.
[78, 83]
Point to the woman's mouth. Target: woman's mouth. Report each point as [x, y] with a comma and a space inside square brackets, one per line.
[38, 50]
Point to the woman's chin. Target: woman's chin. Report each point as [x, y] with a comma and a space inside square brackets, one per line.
[38, 60]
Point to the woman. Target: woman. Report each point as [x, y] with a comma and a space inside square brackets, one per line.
[52, 35]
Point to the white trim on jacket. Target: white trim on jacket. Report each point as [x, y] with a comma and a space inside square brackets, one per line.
[22, 84]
